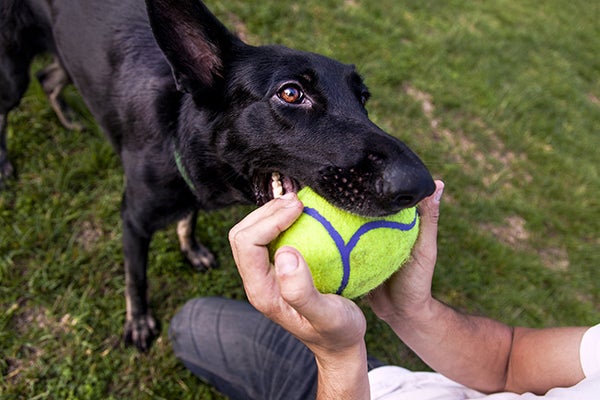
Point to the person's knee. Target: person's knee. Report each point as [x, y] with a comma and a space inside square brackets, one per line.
[184, 326]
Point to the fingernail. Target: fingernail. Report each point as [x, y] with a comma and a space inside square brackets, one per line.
[291, 200]
[438, 193]
[286, 262]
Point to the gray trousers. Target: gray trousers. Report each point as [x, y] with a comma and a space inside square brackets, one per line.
[243, 354]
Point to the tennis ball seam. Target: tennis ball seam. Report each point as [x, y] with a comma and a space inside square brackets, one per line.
[345, 249]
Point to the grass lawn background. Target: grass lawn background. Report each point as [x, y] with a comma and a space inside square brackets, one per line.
[500, 99]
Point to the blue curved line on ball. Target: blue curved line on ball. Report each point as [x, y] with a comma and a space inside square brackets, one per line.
[346, 248]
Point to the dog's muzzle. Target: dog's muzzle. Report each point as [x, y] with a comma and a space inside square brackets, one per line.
[268, 187]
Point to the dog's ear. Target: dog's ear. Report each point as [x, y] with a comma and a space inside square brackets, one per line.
[194, 41]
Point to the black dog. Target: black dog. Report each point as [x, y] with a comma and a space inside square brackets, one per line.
[202, 120]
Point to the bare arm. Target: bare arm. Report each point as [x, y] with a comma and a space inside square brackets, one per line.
[489, 356]
[478, 352]
[544, 358]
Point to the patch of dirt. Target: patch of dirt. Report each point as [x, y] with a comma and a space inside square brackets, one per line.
[23, 320]
[511, 233]
[38, 316]
[88, 237]
[492, 158]
[555, 259]
[28, 317]
[426, 103]
[16, 366]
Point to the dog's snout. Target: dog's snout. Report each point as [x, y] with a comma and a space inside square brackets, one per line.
[403, 186]
[378, 185]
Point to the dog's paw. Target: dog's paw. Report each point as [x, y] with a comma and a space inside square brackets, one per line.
[141, 332]
[71, 125]
[65, 114]
[200, 257]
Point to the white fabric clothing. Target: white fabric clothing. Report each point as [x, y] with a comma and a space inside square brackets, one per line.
[396, 383]
[589, 351]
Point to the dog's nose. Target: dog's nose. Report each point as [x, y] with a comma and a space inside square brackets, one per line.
[404, 186]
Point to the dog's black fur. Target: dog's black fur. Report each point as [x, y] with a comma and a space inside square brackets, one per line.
[169, 84]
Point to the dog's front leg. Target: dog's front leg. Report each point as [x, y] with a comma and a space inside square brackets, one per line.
[199, 256]
[140, 326]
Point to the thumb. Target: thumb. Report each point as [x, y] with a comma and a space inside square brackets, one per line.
[429, 211]
[295, 281]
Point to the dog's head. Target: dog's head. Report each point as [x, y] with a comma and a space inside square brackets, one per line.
[274, 114]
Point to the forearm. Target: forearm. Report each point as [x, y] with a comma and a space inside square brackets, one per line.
[343, 376]
[468, 349]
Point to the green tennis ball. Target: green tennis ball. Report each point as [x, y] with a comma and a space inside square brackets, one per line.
[349, 254]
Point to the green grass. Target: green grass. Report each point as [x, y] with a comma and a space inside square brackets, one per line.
[501, 99]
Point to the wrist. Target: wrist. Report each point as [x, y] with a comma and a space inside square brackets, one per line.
[417, 320]
[412, 312]
[342, 374]
[333, 359]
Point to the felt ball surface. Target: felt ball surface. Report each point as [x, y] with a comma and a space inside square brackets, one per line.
[349, 254]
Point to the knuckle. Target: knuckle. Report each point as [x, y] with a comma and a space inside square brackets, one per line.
[236, 236]
[262, 305]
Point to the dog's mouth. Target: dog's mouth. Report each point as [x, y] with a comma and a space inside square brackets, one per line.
[269, 187]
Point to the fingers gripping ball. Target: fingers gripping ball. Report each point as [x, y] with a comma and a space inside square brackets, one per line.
[349, 254]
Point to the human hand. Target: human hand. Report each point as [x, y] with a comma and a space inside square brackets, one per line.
[330, 325]
[408, 291]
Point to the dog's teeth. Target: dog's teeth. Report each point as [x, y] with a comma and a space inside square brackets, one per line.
[276, 185]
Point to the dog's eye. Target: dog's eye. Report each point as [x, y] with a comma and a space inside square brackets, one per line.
[291, 94]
